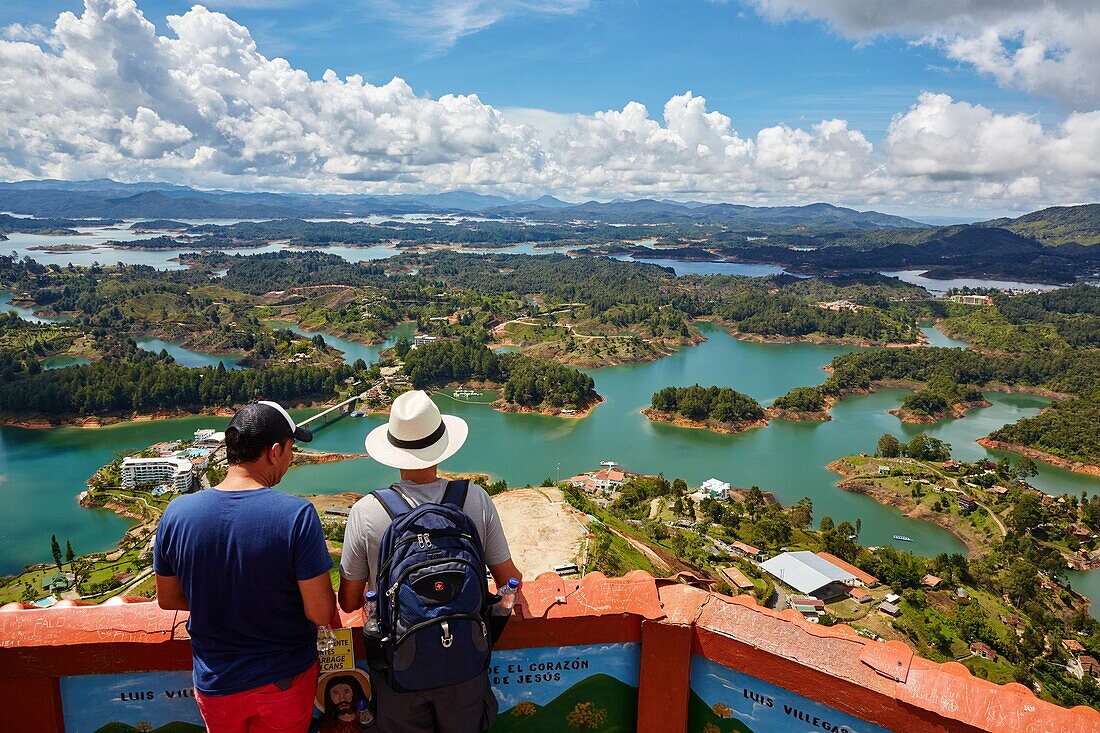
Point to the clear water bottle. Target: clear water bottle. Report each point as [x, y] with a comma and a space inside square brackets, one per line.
[370, 614]
[507, 598]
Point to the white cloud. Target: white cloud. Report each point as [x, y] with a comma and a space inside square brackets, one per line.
[33, 33]
[104, 95]
[941, 138]
[442, 22]
[1048, 47]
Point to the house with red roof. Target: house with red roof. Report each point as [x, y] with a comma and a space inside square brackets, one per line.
[862, 576]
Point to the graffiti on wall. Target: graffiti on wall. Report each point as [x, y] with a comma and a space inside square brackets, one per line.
[162, 702]
[588, 689]
[569, 688]
[726, 701]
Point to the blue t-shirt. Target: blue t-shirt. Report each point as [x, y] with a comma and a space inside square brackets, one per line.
[239, 556]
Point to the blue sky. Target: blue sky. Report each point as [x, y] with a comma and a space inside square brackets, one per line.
[758, 72]
[904, 107]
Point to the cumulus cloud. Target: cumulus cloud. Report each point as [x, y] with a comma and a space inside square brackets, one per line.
[103, 94]
[942, 138]
[1042, 46]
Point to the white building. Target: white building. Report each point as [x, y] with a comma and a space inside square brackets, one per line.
[208, 438]
[174, 472]
[715, 488]
[809, 574]
[422, 340]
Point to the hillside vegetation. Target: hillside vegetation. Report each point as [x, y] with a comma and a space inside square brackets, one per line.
[1057, 225]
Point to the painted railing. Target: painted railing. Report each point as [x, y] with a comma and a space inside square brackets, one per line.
[600, 653]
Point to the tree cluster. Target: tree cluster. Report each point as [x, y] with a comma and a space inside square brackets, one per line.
[525, 381]
[150, 382]
[721, 404]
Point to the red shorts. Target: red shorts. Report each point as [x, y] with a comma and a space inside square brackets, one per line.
[263, 709]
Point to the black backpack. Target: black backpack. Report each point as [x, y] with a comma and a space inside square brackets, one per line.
[433, 598]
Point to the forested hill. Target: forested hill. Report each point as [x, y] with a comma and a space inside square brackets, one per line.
[947, 252]
[1056, 225]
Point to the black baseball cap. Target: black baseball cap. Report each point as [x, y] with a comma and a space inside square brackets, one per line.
[261, 424]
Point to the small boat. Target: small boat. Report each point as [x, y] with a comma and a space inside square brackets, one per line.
[609, 464]
[357, 413]
[903, 538]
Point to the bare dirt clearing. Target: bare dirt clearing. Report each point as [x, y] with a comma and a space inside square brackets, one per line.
[542, 529]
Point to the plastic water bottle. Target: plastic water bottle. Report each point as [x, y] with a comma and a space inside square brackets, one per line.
[370, 613]
[365, 716]
[507, 598]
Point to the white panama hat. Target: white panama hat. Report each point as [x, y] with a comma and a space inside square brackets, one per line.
[417, 435]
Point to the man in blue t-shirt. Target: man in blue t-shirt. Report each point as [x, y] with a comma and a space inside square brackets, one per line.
[251, 565]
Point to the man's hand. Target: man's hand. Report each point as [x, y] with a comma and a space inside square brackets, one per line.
[503, 571]
[170, 594]
[318, 600]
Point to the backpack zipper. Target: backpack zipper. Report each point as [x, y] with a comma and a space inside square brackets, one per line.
[421, 543]
[433, 621]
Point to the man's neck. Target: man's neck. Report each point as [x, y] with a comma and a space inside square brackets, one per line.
[420, 475]
[244, 477]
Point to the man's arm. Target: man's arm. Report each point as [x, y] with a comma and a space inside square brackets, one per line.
[351, 593]
[318, 599]
[355, 558]
[503, 571]
[170, 593]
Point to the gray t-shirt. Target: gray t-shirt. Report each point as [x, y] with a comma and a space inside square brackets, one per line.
[368, 521]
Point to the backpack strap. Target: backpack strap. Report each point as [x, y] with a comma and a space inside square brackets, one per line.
[392, 501]
[455, 494]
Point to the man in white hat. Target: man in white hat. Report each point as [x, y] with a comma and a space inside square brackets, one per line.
[416, 440]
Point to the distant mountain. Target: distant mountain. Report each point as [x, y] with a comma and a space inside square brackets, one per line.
[107, 198]
[547, 202]
[104, 198]
[1057, 225]
[819, 217]
[111, 199]
[450, 200]
[57, 203]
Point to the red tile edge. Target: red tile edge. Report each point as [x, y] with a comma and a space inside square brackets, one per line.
[551, 597]
[950, 691]
[886, 674]
[890, 668]
[62, 625]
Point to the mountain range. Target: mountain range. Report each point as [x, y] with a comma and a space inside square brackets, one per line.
[813, 226]
[111, 199]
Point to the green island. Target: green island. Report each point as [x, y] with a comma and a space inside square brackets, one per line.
[941, 398]
[526, 383]
[720, 409]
